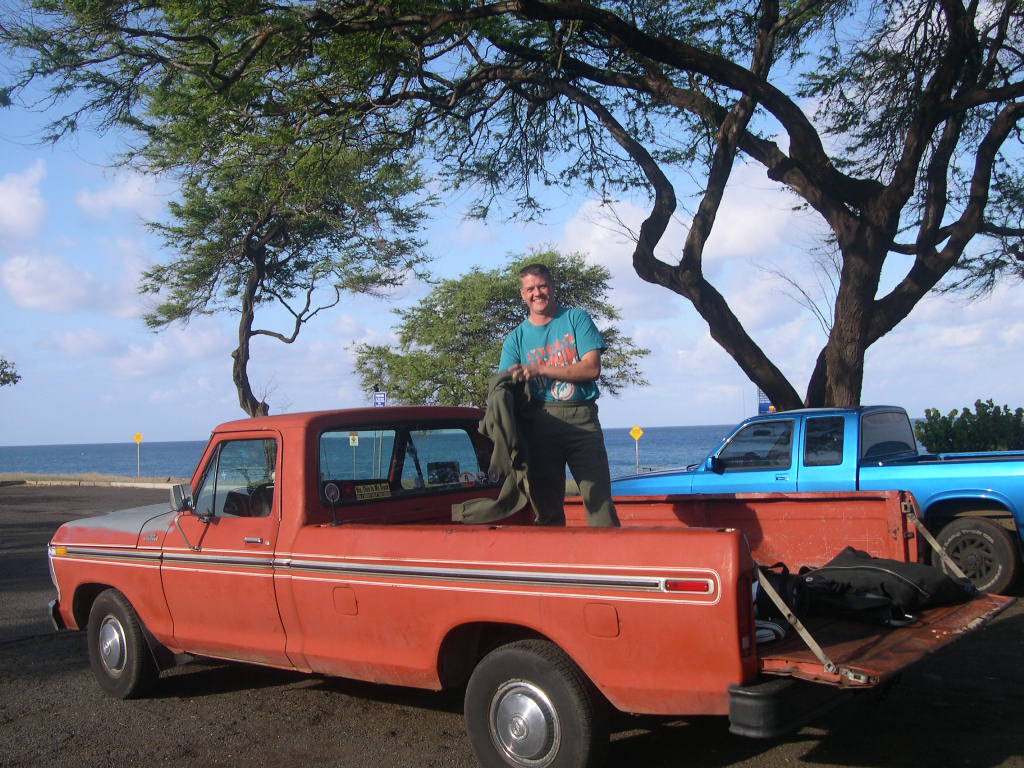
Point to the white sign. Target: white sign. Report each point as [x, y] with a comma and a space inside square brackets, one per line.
[380, 399]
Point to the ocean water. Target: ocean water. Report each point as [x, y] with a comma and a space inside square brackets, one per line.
[659, 448]
[148, 459]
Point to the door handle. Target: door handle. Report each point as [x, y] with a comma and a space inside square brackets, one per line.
[781, 477]
[253, 540]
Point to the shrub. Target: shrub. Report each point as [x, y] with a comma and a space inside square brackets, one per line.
[989, 428]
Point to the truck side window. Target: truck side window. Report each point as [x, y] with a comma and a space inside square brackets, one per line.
[764, 445]
[239, 480]
[823, 442]
[884, 433]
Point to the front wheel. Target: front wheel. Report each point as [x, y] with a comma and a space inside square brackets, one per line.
[118, 652]
[529, 706]
[984, 551]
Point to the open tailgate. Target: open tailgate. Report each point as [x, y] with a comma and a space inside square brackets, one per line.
[864, 655]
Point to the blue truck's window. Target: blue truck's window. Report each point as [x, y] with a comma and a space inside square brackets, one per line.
[379, 463]
[823, 442]
[764, 445]
[239, 480]
[885, 433]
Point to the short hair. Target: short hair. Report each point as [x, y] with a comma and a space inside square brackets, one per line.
[537, 270]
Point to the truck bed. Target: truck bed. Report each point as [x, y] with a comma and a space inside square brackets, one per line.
[798, 529]
[809, 529]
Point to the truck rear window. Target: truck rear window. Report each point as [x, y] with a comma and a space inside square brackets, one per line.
[885, 433]
[359, 465]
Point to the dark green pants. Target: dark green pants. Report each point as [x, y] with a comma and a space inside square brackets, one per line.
[560, 434]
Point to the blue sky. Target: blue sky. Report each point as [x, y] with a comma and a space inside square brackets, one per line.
[73, 244]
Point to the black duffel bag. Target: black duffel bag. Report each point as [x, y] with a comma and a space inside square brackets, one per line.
[856, 585]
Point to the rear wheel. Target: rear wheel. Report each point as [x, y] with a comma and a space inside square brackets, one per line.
[529, 706]
[118, 652]
[984, 551]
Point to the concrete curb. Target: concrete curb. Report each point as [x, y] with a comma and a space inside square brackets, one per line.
[95, 483]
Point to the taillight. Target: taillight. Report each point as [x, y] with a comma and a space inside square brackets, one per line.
[693, 586]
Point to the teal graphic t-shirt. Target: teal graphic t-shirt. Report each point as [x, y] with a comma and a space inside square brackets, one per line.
[567, 338]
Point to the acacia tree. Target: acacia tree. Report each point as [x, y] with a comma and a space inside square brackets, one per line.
[449, 344]
[278, 207]
[911, 157]
[9, 375]
[295, 230]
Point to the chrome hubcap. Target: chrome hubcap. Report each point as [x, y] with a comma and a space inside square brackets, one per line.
[524, 726]
[112, 646]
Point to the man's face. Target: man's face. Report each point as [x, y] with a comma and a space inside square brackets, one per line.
[537, 293]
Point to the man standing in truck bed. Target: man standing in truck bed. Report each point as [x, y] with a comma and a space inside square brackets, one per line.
[557, 351]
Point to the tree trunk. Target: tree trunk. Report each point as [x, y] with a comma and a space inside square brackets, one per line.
[848, 341]
[818, 385]
[251, 404]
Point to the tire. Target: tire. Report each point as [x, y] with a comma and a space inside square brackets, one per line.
[118, 652]
[529, 706]
[984, 551]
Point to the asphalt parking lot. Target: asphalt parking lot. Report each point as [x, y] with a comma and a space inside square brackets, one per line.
[961, 707]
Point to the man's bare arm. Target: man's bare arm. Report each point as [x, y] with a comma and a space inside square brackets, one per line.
[587, 368]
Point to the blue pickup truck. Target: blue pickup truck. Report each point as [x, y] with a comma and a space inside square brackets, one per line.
[973, 502]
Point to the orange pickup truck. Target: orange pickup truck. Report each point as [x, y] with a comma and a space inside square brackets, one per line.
[324, 542]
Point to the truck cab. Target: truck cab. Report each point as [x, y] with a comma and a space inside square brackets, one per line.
[812, 449]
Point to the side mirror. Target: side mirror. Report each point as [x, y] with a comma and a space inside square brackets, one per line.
[181, 498]
[716, 465]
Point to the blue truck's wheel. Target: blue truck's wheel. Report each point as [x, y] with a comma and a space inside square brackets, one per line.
[118, 653]
[983, 550]
[528, 706]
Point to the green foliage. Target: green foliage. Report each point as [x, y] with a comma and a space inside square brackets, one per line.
[285, 197]
[9, 375]
[989, 428]
[912, 155]
[296, 216]
[449, 344]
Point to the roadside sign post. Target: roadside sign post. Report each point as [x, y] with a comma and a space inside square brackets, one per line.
[764, 405]
[138, 455]
[636, 433]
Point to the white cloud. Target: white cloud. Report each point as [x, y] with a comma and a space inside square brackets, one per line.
[49, 283]
[950, 352]
[46, 283]
[128, 190]
[124, 298]
[473, 232]
[172, 350]
[754, 216]
[603, 236]
[22, 207]
[351, 331]
[187, 389]
[144, 360]
[84, 343]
